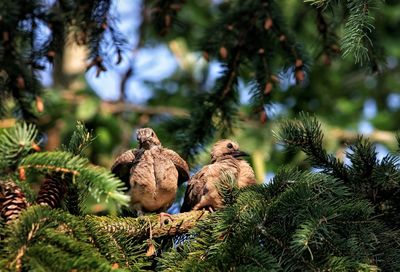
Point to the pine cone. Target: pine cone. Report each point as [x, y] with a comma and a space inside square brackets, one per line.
[2, 197]
[51, 192]
[12, 201]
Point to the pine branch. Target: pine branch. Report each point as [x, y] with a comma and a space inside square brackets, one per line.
[287, 231]
[386, 173]
[211, 111]
[140, 227]
[363, 158]
[368, 178]
[23, 53]
[19, 55]
[356, 39]
[383, 188]
[59, 241]
[319, 3]
[80, 140]
[55, 186]
[163, 14]
[58, 161]
[74, 198]
[61, 257]
[305, 134]
[329, 39]
[99, 182]
[358, 36]
[251, 33]
[49, 238]
[16, 142]
[130, 238]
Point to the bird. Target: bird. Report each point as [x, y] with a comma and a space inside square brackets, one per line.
[201, 190]
[151, 173]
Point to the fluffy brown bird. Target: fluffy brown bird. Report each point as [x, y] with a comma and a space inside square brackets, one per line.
[201, 190]
[151, 173]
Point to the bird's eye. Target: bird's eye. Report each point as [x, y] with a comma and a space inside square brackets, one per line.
[152, 134]
[229, 145]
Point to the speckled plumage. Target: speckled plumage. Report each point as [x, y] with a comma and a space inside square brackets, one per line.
[151, 173]
[202, 192]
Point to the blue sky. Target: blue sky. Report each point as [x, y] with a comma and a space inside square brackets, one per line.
[152, 64]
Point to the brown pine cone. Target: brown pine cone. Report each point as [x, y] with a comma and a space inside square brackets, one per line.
[12, 201]
[51, 192]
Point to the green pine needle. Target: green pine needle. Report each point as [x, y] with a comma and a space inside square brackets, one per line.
[45, 239]
[15, 143]
[356, 39]
[80, 140]
[98, 181]
[306, 134]
[318, 3]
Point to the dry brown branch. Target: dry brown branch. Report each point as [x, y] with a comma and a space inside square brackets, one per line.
[380, 136]
[119, 107]
[7, 123]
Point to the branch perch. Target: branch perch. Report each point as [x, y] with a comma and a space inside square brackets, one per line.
[140, 227]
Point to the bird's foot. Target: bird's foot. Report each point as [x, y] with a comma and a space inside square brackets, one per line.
[165, 218]
[139, 213]
[210, 209]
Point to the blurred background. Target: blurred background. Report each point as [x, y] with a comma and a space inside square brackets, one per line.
[157, 76]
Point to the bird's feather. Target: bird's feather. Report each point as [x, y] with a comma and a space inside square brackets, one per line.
[202, 190]
[123, 164]
[180, 164]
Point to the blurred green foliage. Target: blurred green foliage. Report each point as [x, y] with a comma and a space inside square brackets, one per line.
[343, 95]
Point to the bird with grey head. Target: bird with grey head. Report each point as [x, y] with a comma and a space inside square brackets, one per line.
[151, 173]
[226, 159]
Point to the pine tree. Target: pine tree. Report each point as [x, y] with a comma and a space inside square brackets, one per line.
[342, 218]
[337, 217]
[246, 37]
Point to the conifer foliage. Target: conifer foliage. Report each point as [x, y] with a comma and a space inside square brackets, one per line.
[337, 217]
[246, 37]
[24, 50]
[252, 37]
[343, 218]
[340, 219]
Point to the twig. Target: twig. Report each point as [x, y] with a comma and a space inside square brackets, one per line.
[351, 137]
[22, 249]
[124, 80]
[119, 107]
[7, 123]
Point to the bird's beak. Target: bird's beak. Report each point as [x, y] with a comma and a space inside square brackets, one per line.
[238, 153]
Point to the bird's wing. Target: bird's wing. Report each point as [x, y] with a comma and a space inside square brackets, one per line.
[246, 174]
[180, 164]
[203, 184]
[122, 165]
[195, 188]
